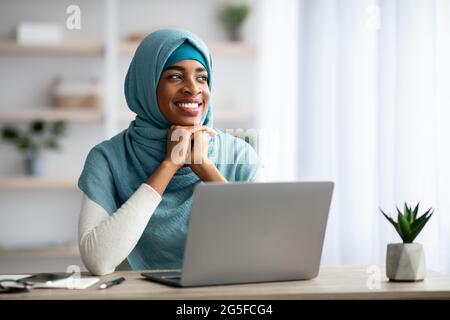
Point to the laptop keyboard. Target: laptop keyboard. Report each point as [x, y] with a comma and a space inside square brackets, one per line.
[172, 276]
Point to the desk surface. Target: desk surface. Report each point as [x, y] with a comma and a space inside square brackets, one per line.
[332, 283]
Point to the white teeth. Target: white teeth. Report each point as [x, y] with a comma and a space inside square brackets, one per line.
[188, 105]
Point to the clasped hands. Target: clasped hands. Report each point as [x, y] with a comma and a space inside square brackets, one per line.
[189, 145]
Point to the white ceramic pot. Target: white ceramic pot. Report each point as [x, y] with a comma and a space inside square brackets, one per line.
[405, 262]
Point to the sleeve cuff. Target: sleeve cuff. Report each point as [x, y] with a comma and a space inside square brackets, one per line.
[150, 192]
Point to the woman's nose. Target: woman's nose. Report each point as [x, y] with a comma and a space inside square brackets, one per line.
[191, 88]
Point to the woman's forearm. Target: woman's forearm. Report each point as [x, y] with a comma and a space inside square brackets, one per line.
[106, 240]
[208, 172]
[160, 179]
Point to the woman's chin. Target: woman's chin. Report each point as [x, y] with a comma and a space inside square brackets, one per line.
[187, 121]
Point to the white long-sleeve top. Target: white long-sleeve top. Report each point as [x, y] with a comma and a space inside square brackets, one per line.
[106, 240]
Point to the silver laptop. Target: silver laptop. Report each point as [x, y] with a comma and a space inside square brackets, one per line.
[253, 232]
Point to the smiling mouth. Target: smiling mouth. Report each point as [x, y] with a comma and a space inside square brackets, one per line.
[191, 106]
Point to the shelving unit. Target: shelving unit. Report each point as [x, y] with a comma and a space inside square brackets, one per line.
[50, 114]
[126, 48]
[104, 57]
[74, 48]
[30, 183]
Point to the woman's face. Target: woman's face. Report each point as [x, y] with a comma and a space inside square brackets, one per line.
[183, 93]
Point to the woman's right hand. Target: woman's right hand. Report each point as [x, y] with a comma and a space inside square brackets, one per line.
[179, 143]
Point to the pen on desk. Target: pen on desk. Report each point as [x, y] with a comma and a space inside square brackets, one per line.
[112, 283]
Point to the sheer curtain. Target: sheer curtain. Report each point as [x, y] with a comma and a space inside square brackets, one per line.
[371, 110]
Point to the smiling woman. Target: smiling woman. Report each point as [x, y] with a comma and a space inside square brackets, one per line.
[138, 185]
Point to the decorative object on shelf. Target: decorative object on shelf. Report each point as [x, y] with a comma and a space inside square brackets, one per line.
[40, 135]
[232, 16]
[138, 36]
[406, 261]
[77, 93]
[39, 33]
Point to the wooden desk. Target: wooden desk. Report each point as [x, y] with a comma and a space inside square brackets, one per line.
[332, 283]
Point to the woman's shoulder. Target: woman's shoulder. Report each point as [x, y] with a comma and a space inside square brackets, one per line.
[107, 147]
[239, 137]
[99, 171]
[235, 147]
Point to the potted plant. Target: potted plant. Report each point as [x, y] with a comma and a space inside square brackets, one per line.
[406, 261]
[232, 17]
[30, 143]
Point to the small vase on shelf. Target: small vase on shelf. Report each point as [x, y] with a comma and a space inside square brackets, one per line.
[33, 163]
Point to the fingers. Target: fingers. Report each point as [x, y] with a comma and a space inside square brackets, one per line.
[193, 129]
[181, 139]
[206, 129]
[210, 131]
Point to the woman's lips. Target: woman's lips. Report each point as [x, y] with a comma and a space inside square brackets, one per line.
[189, 109]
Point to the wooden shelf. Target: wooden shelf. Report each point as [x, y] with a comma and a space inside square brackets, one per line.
[73, 48]
[50, 114]
[25, 183]
[126, 48]
[70, 250]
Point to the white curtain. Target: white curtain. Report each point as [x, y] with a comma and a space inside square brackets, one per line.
[372, 114]
[278, 77]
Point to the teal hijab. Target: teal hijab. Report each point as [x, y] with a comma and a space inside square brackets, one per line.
[115, 168]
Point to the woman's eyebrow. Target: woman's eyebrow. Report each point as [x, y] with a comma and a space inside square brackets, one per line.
[200, 69]
[180, 68]
[175, 68]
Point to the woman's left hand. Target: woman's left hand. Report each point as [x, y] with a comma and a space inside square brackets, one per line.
[199, 148]
[199, 162]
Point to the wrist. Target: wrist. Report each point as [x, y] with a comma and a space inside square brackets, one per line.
[169, 165]
[201, 166]
[161, 177]
[208, 172]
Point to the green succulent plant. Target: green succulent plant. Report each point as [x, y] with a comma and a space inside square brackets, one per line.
[39, 135]
[408, 225]
[233, 15]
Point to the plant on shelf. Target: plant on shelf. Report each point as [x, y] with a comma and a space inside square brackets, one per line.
[232, 16]
[406, 261]
[40, 135]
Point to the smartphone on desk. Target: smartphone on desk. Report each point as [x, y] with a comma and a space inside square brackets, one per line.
[45, 277]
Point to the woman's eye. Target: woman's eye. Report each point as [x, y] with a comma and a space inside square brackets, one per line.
[175, 76]
[180, 77]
